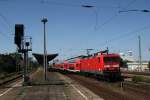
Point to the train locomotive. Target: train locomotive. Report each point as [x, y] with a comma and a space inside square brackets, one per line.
[102, 64]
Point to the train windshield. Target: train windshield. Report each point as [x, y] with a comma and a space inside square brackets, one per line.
[112, 59]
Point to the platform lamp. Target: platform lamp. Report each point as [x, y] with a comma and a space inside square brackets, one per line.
[44, 20]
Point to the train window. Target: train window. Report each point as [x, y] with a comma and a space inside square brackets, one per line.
[112, 59]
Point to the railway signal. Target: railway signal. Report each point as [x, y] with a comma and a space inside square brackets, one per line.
[19, 34]
[24, 45]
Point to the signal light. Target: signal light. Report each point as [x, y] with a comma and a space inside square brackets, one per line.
[18, 41]
[19, 33]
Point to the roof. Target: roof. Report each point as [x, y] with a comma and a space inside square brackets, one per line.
[39, 57]
[111, 55]
[80, 57]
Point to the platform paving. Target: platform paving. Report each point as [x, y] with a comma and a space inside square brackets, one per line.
[56, 87]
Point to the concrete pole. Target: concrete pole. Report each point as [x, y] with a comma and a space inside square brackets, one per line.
[25, 66]
[44, 20]
[27, 63]
[140, 57]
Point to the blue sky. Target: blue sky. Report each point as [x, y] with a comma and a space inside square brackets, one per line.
[72, 28]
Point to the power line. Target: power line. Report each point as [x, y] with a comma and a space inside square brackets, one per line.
[115, 15]
[127, 34]
[107, 21]
[89, 6]
[5, 36]
[9, 25]
[2, 34]
[73, 5]
[130, 3]
[58, 3]
[135, 10]
[81, 5]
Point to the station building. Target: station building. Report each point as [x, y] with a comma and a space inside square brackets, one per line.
[136, 66]
[133, 64]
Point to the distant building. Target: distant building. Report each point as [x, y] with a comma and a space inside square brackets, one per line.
[135, 66]
[132, 64]
[128, 56]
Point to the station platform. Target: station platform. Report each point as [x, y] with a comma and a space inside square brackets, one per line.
[56, 87]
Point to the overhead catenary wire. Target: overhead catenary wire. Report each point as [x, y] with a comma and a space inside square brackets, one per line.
[9, 27]
[7, 22]
[96, 27]
[1, 33]
[72, 5]
[57, 3]
[5, 36]
[129, 4]
[122, 36]
[135, 10]
[103, 24]
[115, 15]
[86, 5]
[5, 19]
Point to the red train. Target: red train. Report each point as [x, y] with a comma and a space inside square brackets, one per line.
[101, 64]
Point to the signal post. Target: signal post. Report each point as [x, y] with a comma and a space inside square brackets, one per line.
[23, 46]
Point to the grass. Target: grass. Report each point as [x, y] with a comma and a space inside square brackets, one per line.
[140, 79]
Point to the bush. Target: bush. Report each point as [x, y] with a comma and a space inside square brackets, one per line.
[137, 79]
[8, 62]
[149, 65]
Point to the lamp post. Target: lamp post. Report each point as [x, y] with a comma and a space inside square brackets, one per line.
[44, 20]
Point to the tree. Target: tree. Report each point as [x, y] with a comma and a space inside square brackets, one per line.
[149, 65]
[8, 62]
[123, 63]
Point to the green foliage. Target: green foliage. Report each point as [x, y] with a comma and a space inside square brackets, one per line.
[137, 79]
[140, 79]
[33, 63]
[123, 63]
[147, 80]
[149, 65]
[8, 62]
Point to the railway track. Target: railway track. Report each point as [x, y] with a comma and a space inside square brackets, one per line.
[112, 90]
[137, 73]
[10, 79]
[141, 76]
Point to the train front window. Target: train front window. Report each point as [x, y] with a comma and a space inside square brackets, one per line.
[111, 59]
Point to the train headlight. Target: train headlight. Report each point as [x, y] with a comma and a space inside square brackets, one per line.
[116, 65]
[107, 66]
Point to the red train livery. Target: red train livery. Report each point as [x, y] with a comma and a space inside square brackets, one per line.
[101, 64]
